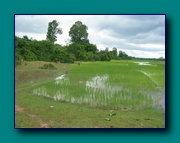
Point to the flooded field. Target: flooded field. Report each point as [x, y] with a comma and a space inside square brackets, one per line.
[143, 63]
[131, 87]
[93, 94]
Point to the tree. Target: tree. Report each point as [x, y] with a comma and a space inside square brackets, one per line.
[123, 55]
[114, 53]
[18, 57]
[26, 38]
[78, 50]
[53, 30]
[161, 58]
[78, 33]
[91, 48]
[104, 55]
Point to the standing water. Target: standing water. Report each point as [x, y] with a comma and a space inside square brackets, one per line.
[100, 93]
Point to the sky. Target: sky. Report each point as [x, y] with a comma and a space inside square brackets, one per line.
[137, 35]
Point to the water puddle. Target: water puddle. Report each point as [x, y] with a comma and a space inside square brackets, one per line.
[99, 92]
[98, 82]
[143, 63]
[155, 100]
[41, 91]
[60, 79]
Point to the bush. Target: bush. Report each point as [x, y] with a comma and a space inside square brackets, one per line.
[48, 66]
[29, 55]
[18, 59]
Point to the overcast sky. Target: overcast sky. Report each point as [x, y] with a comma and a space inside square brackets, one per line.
[137, 35]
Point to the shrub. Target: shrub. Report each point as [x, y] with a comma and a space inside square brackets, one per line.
[48, 66]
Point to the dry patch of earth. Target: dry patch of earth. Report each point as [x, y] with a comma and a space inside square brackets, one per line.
[19, 108]
[43, 124]
[32, 115]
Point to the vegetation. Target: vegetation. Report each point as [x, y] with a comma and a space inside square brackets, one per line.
[78, 33]
[33, 50]
[48, 66]
[79, 98]
[79, 48]
[121, 91]
[53, 30]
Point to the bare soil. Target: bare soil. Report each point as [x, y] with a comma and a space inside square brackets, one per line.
[19, 108]
[43, 124]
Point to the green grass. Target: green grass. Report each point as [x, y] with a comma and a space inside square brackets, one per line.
[133, 92]
[65, 115]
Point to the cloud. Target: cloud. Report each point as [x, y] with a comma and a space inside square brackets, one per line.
[144, 34]
[31, 24]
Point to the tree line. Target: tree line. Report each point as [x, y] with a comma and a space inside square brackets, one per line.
[78, 49]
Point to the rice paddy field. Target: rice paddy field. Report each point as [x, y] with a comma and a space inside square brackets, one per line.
[115, 94]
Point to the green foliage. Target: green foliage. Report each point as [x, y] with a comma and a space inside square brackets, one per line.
[90, 56]
[23, 50]
[123, 55]
[90, 48]
[26, 38]
[79, 49]
[18, 58]
[53, 30]
[113, 54]
[29, 55]
[83, 52]
[78, 33]
[48, 66]
[61, 54]
[43, 49]
[70, 113]
[32, 50]
[161, 58]
[105, 55]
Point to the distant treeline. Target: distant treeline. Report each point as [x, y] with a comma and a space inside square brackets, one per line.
[33, 50]
[156, 59]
